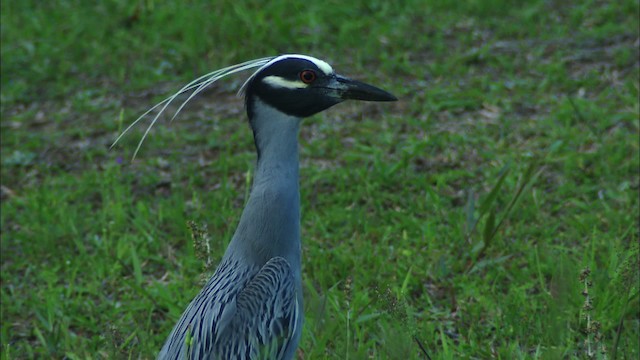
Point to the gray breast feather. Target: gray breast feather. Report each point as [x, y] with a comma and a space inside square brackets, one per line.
[242, 313]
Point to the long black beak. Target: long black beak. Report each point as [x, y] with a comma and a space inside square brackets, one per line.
[356, 90]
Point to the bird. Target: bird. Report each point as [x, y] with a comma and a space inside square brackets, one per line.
[251, 307]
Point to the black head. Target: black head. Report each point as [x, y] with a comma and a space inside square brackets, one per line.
[301, 86]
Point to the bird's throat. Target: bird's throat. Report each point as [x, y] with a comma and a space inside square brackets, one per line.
[270, 222]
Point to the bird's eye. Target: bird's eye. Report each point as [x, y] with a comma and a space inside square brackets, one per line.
[307, 76]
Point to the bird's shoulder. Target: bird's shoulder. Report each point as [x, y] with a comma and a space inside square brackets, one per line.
[267, 313]
[209, 313]
[242, 310]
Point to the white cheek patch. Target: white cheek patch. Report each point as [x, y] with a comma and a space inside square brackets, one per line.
[322, 65]
[277, 81]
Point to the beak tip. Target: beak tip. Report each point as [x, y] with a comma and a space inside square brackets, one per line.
[385, 97]
[356, 90]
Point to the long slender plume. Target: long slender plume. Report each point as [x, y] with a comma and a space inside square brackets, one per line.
[198, 84]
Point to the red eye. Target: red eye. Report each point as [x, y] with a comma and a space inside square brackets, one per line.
[307, 76]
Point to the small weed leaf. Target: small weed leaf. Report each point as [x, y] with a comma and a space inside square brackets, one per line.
[489, 228]
[493, 195]
[137, 269]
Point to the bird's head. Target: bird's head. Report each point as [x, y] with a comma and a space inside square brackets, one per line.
[296, 85]
[301, 86]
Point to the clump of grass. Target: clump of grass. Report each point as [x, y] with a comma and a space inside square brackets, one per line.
[202, 247]
[395, 306]
[400, 310]
[626, 279]
[594, 346]
[119, 344]
[347, 288]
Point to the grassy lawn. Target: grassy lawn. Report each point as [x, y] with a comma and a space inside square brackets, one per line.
[491, 213]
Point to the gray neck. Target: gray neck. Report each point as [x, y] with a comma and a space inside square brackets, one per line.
[270, 223]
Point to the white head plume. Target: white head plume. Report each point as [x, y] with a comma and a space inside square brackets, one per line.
[198, 84]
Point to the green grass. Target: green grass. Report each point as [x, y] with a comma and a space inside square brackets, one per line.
[459, 219]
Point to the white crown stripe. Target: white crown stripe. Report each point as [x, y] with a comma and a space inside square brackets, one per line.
[323, 66]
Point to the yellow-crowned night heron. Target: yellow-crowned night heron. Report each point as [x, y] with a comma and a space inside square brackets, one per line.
[251, 308]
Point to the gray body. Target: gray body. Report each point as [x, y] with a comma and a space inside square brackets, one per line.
[251, 308]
